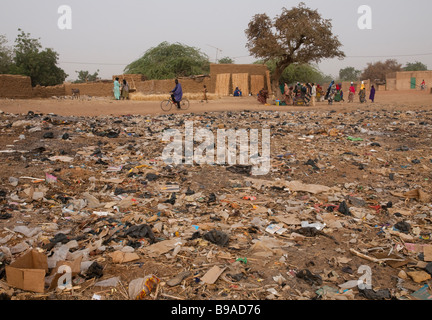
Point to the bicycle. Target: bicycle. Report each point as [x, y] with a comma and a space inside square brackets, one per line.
[167, 105]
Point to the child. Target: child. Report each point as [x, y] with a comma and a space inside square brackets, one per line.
[205, 91]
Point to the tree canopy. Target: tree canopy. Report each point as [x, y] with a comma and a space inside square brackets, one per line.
[349, 74]
[226, 60]
[40, 65]
[85, 76]
[303, 73]
[379, 70]
[168, 61]
[296, 36]
[415, 66]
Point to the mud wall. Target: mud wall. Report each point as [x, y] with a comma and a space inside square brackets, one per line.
[189, 85]
[250, 69]
[92, 89]
[48, 92]
[15, 87]
[12, 86]
[403, 79]
[165, 86]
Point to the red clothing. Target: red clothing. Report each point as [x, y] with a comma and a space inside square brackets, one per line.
[352, 89]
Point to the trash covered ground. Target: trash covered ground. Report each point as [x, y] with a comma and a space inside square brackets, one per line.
[344, 214]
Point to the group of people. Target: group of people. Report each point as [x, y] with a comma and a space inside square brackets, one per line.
[306, 93]
[121, 91]
[335, 93]
[310, 93]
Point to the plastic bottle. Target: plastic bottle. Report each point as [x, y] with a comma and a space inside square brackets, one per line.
[142, 287]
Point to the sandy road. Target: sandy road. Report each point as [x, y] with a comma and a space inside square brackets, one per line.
[390, 100]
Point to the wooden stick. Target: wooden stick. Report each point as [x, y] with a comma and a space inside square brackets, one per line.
[170, 296]
[157, 292]
[361, 255]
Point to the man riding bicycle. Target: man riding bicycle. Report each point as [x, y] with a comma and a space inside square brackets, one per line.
[177, 94]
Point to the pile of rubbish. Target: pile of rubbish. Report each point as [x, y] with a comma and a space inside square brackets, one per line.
[89, 209]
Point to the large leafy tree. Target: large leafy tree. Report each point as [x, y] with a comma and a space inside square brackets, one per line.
[296, 36]
[416, 66]
[40, 65]
[349, 74]
[168, 61]
[5, 55]
[378, 71]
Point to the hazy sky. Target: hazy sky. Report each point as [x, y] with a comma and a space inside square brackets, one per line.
[107, 35]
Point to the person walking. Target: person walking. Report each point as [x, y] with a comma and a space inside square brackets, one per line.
[331, 92]
[351, 93]
[372, 94]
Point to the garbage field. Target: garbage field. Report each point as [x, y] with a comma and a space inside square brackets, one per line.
[91, 211]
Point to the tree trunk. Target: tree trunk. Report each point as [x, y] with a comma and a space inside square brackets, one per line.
[275, 79]
[275, 83]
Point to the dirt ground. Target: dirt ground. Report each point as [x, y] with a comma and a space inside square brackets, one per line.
[106, 106]
[374, 158]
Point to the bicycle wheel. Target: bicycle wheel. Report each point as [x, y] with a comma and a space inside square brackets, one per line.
[166, 105]
[184, 104]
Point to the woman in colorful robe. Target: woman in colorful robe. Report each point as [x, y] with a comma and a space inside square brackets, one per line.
[351, 93]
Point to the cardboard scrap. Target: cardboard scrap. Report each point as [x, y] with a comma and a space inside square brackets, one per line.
[75, 266]
[310, 188]
[123, 257]
[289, 220]
[292, 185]
[162, 247]
[417, 194]
[212, 275]
[419, 276]
[28, 272]
[427, 251]
[404, 212]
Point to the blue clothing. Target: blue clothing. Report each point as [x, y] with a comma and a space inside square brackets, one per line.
[178, 92]
[117, 90]
[372, 95]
